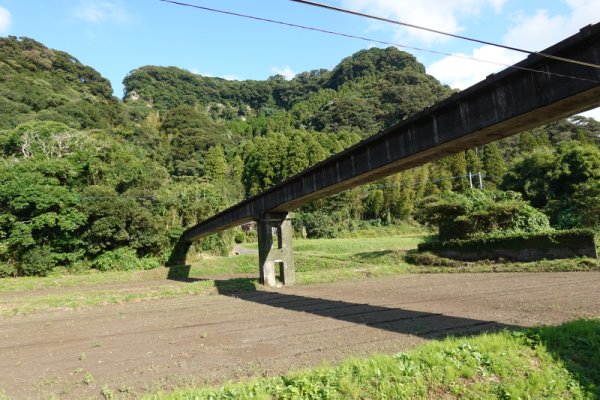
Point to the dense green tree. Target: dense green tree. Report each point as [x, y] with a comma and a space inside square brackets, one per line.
[215, 164]
[316, 152]
[562, 182]
[530, 175]
[441, 176]
[115, 220]
[236, 169]
[529, 141]
[474, 164]
[457, 166]
[297, 158]
[346, 113]
[493, 163]
[39, 214]
[192, 133]
[374, 204]
[480, 212]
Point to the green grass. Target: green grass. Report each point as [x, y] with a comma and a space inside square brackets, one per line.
[549, 362]
[317, 261]
[330, 260]
[356, 245]
[212, 265]
[34, 302]
[401, 229]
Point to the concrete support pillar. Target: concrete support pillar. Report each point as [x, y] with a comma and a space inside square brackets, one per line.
[178, 269]
[179, 253]
[275, 235]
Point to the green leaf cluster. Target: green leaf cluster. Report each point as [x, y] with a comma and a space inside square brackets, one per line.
[480, 212]
[564, 182]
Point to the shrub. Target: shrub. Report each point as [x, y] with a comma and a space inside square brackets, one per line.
[7, 270]
[121, 259]
[569, 238]
[150, 263]
[239, 236]
[220, 244]
[251, 236]
[430, 260]
[317, 224]
[478, 212]
[37, 262]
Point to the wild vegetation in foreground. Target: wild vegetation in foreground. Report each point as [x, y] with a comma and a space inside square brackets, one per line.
[317, 261]
[561, 362]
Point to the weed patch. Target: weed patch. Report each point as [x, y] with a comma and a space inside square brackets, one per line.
[548, 362]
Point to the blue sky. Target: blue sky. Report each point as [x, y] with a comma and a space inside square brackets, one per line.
[117, 36]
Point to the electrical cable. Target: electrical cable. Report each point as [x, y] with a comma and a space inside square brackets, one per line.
[370, 40]
[405, 24]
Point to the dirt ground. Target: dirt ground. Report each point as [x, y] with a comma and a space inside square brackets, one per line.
[131, 349]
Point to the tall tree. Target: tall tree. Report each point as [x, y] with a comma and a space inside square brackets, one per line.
[493, 163]
[457, 165]
[215, 164]
[296, 156]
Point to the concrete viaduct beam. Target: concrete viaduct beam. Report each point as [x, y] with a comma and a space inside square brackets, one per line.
[502, 105]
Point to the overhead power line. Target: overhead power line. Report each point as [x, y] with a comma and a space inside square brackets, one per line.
[470, 39]
[370, 40]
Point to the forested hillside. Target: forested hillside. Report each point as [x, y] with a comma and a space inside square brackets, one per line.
[49, 85]
[88, 180]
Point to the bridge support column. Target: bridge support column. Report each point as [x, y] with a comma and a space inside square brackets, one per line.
[276, 227]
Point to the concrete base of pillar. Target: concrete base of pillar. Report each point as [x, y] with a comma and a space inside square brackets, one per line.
[179, 253]
[178, 269]
[276, 227]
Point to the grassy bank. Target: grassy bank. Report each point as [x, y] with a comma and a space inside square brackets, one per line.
[317, 261]
[560, 362]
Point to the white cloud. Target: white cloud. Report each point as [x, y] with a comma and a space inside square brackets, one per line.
[440, 15]
[534, 32]
[100, 11]
[460, 73]
[595, 113]
[5, 20]
[211, 75]
[498, 5]
[286, 72]
[538, 31]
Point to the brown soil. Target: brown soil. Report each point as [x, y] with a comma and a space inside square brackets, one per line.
[135, 348]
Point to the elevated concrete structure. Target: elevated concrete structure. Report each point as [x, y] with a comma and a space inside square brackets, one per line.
[273, 254]
[504, 104]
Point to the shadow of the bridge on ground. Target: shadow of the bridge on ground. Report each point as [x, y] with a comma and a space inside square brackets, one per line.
[410, 322]
[581, 356]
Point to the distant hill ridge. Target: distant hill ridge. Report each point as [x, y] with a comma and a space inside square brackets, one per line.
[365, 92]
[44, 84]
[369, 89]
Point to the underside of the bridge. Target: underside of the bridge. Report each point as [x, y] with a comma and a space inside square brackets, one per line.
[536, 91]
